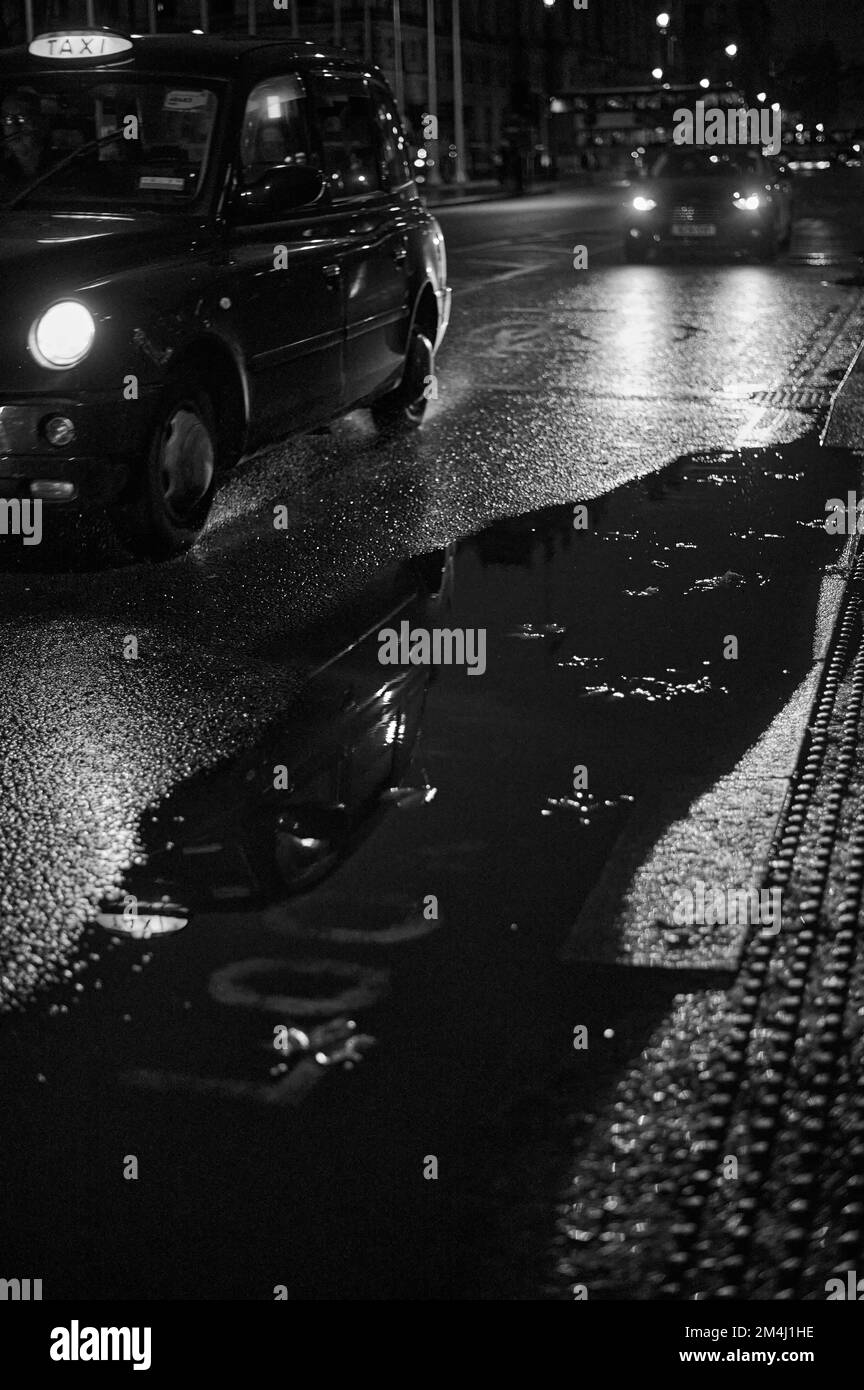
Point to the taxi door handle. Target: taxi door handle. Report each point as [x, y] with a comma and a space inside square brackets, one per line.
[400, 254]
[332, 274]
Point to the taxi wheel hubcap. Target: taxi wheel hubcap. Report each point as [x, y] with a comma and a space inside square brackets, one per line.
[421, 367]
[420, 370]
[186, 462]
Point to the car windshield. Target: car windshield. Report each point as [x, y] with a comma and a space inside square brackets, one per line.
[91, 140]
[687, 162]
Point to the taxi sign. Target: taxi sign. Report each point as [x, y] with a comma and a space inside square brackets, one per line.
[79, 43]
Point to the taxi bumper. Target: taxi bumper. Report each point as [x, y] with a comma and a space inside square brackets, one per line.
[737, 231]
[106, 439]
[445, 303]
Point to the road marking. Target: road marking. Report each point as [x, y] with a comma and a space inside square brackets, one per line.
[537, 267]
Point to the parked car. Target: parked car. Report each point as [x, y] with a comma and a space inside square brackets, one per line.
[207, 245]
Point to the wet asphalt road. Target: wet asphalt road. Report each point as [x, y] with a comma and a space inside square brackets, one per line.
[678, 404]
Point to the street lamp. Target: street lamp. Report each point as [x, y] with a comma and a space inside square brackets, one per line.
[705, 83]
[458, 94]
[432, 59]
[398, 59]
[761, 96]
[663, 22]
[731, 50]
[549, 78]
[657, 72]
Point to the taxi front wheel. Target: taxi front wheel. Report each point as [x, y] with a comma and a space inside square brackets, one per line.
[404, 408]
[170, 499]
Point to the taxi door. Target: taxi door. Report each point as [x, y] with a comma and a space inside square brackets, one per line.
[287, 275]
[355, 157]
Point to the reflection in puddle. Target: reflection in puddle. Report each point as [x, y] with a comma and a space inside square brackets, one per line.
[585, 804]
[391, 865]
[655, 688]
[282, 816]
[528, 632]
[731, 579]
[290, 812]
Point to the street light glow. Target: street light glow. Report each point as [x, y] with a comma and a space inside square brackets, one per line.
[731, 50]
[705, 82]
[663, 20]
[657, 72]
[760, 96]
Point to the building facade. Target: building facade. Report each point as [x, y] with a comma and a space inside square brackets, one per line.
[496, 67]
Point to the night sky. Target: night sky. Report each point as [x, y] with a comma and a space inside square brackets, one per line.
[799, 22]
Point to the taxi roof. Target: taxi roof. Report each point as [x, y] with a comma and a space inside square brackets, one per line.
[201, 55]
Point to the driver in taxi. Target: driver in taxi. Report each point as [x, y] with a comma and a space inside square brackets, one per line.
[24, 147]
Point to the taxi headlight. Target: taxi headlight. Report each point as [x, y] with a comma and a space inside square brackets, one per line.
[644, 204]
[63, 336]
[750, 204]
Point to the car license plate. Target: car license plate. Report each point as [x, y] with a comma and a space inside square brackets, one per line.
[694, 229]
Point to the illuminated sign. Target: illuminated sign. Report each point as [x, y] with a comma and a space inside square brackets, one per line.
[80, 44]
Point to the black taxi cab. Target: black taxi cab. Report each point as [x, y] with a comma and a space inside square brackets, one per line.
[206, 245]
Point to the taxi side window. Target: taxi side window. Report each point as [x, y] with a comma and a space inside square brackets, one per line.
[395, 146]
[350, 139]
[275, 129]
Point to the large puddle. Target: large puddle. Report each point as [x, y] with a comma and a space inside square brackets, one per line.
[347, 940]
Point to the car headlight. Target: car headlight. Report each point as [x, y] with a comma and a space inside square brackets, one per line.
[748, 204]
[63, 336]
[643, 204]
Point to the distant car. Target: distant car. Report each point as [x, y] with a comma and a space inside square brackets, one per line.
[207, 245]
[808, 159]
[708, 197]
[852, 156]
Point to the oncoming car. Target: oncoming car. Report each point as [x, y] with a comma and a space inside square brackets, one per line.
[206, 245]
[715, 198]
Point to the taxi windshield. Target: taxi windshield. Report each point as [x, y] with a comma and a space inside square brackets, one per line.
[85, 139]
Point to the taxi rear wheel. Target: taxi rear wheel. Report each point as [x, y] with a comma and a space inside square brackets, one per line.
[170, 500]
[404, 408]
